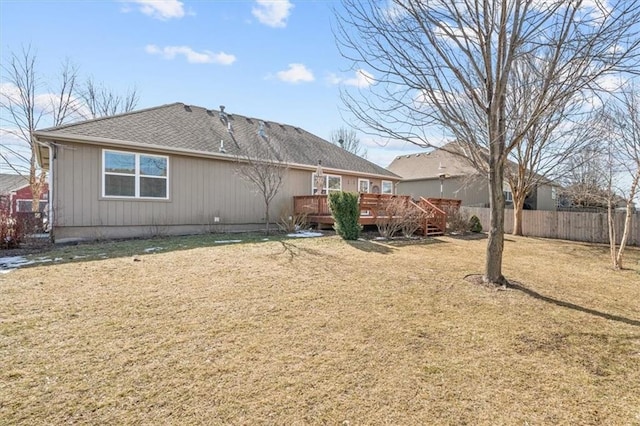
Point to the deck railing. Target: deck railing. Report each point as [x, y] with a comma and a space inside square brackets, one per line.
[373, 206]
[311, 205]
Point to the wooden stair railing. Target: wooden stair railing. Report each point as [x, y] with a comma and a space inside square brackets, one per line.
[437, 218]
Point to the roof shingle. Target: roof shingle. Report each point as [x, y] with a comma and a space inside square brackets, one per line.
[193, 128]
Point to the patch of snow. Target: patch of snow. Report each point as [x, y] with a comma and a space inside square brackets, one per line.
[58, 259]
[265, 239]
[227, 241]
[10, 263]
[305, 234]
[80, 257]
[152, 249]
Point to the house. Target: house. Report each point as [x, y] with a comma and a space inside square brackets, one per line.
[442, 174]
[174, 169]
[16, 195]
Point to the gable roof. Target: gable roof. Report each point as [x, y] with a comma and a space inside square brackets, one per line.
[190, 129]
[10, 183]
[429, 165]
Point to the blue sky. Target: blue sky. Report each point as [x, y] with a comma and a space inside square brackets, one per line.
[274, 60]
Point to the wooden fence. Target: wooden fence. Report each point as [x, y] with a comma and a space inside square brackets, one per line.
[574, 226]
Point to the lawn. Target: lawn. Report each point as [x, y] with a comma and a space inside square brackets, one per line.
[320, 331]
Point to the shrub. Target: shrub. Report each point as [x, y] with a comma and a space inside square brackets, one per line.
[290, 222]
[474, 224]
[458, 222]
[11, 231]
[346, 212]
[389, 221]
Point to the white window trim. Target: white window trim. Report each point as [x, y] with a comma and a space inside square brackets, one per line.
[382, 187]
[368, 185]
[326, 183]
[136, 175]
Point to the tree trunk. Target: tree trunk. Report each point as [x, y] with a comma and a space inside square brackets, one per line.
[493, 262]
[518, 205]
[266, 216]
[627, 221]
[612, 234]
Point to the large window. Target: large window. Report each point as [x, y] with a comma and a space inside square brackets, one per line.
[387, 187]
[132, 175]
[331, 183]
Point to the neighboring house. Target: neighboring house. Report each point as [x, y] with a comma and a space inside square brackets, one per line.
[173, 169]
[442, 174]
[16, 195]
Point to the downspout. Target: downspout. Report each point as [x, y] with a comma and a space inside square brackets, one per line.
[52, 192]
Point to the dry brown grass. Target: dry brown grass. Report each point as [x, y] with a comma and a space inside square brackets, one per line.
[324, 332]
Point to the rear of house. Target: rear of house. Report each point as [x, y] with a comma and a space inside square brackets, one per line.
[177, 169]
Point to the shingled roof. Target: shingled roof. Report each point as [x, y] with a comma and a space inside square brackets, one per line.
[429, 165]
[11, 182]
[193, 129]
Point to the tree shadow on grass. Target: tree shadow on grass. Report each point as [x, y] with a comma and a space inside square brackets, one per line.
[294, 250]
[518, 286]
[389, 246]
[371, 246]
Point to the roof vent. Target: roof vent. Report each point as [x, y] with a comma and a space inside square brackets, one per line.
[229, 127]
[261, 132]
[221, 149]
[222, 114]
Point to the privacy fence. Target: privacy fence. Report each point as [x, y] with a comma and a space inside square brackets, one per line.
[574, 226]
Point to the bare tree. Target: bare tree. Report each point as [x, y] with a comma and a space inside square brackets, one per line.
[348, 139]
[100, 101]
[264, 169]
[448, 65]
[560, 131]
[624, 114]
[23, 107]
[588, 179]
[27, 102]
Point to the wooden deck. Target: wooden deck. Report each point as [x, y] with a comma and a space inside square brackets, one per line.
[373, 208]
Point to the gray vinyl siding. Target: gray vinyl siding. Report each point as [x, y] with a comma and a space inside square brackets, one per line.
[471, 192]
[199, 190]
[544, 200]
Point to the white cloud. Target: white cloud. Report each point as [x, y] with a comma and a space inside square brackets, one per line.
[296, 73]
[193, 57]
[161, 9]
[10, 92]
[361, 79]
[273, 13]
[333, 79]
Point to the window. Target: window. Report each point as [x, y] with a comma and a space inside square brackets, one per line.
[508, 196]
[25, 206]
[132, 175]
[331, 183]
[363, 185]
[506, 192]
[387, 187]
